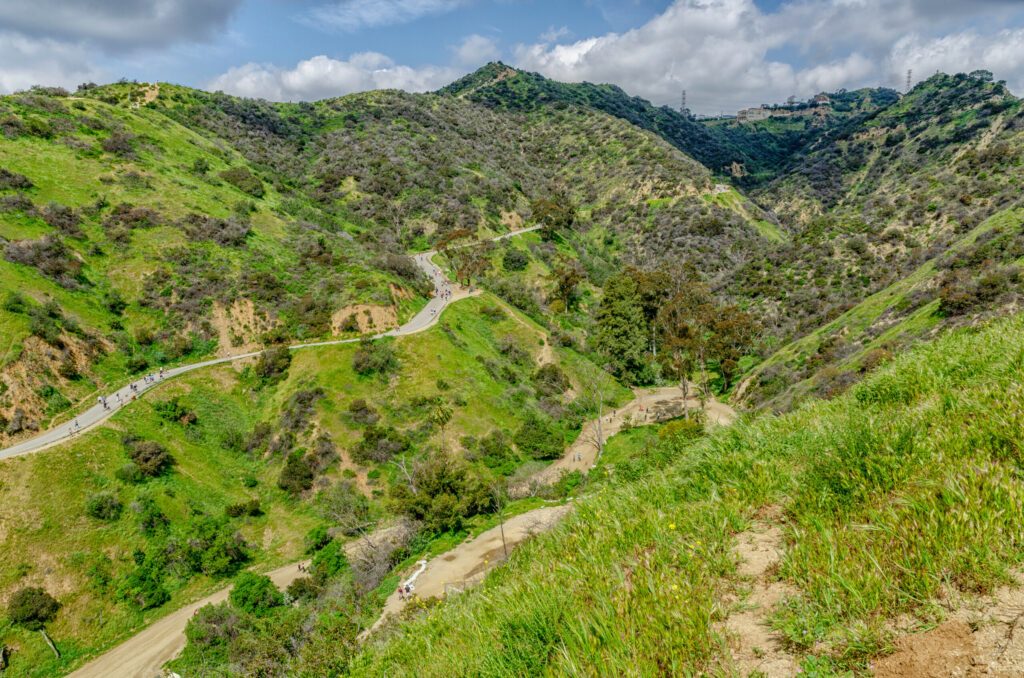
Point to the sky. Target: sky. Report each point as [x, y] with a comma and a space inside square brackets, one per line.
[726, 54]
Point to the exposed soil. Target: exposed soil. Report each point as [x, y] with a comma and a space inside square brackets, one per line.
[464, 565]
[238, 326]
[755, 648]
[650, 406]
[982, 636]
[368, 317]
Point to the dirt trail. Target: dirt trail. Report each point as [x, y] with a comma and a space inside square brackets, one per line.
[465, 564]
[649, 406]
[756, 649]
[983, 636]
[143, 655]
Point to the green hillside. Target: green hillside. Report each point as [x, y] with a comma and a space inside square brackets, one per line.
[843, 274]
[878, 521]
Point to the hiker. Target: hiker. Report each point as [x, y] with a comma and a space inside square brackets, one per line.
[401, 592]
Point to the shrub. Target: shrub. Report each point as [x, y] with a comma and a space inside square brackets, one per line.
[539, 439]
[15, 303]
[362, 412]
[495, 451]
[244, 180]
[119, 143]
[151, 518]
[13, 180]
[149, 456]
[51, 257]
[129, 473]
[273, 365]
[551, 380]
[174, 411]
[379, 444]
[245, 508]
[296, 476]
[212, 626]
[230, 232]
[144, 587]
[31, 607]
[375, 357]
[255, 594]
[515, 260]
[104, 506]
[64, 219]
[304, 589]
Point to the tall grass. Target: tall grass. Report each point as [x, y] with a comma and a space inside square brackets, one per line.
[904, 487]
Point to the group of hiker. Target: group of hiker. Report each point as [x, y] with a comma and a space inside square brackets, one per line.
[133, 387]
[404, 591]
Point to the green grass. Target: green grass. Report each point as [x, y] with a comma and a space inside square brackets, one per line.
[903, 487]
[50, 534]
[854, 323]
[48, 537]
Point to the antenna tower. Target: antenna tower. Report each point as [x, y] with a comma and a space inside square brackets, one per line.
[910, 72]
[682, 103]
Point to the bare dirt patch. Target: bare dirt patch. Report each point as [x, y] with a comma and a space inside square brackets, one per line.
[946, 650]
[755, 648]
[983, 636]
[369, 318]
[238, 327]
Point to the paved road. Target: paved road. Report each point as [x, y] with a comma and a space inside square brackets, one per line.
[445, 292]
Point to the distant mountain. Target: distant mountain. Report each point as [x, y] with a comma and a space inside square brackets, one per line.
[750, 154]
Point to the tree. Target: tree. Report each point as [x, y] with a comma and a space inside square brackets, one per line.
[553, 214]
[440, 416]
[446, 491]
[344, 505]
[32, 607]
[567, 274]
[733, 333]
[682, 323]
[255, 594]
[470, 258]
[621, 334]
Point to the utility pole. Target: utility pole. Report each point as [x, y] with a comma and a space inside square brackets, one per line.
[910, 72]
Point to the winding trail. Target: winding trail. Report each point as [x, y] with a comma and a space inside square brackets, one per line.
[651, 405]
[144, 654]
[445, 293]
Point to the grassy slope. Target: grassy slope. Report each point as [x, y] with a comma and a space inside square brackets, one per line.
[159, 177]
[887, 310]
[49, 541]
[879, 517]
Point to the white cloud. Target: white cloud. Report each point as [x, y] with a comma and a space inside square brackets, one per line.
[321, 77]
[476, 50]
[727, 53]
[351, 15]
[30, 61]
[1001, 53]
[118, 24]
[553, 34]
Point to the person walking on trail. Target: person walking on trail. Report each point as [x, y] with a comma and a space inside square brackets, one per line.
[401, 592]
